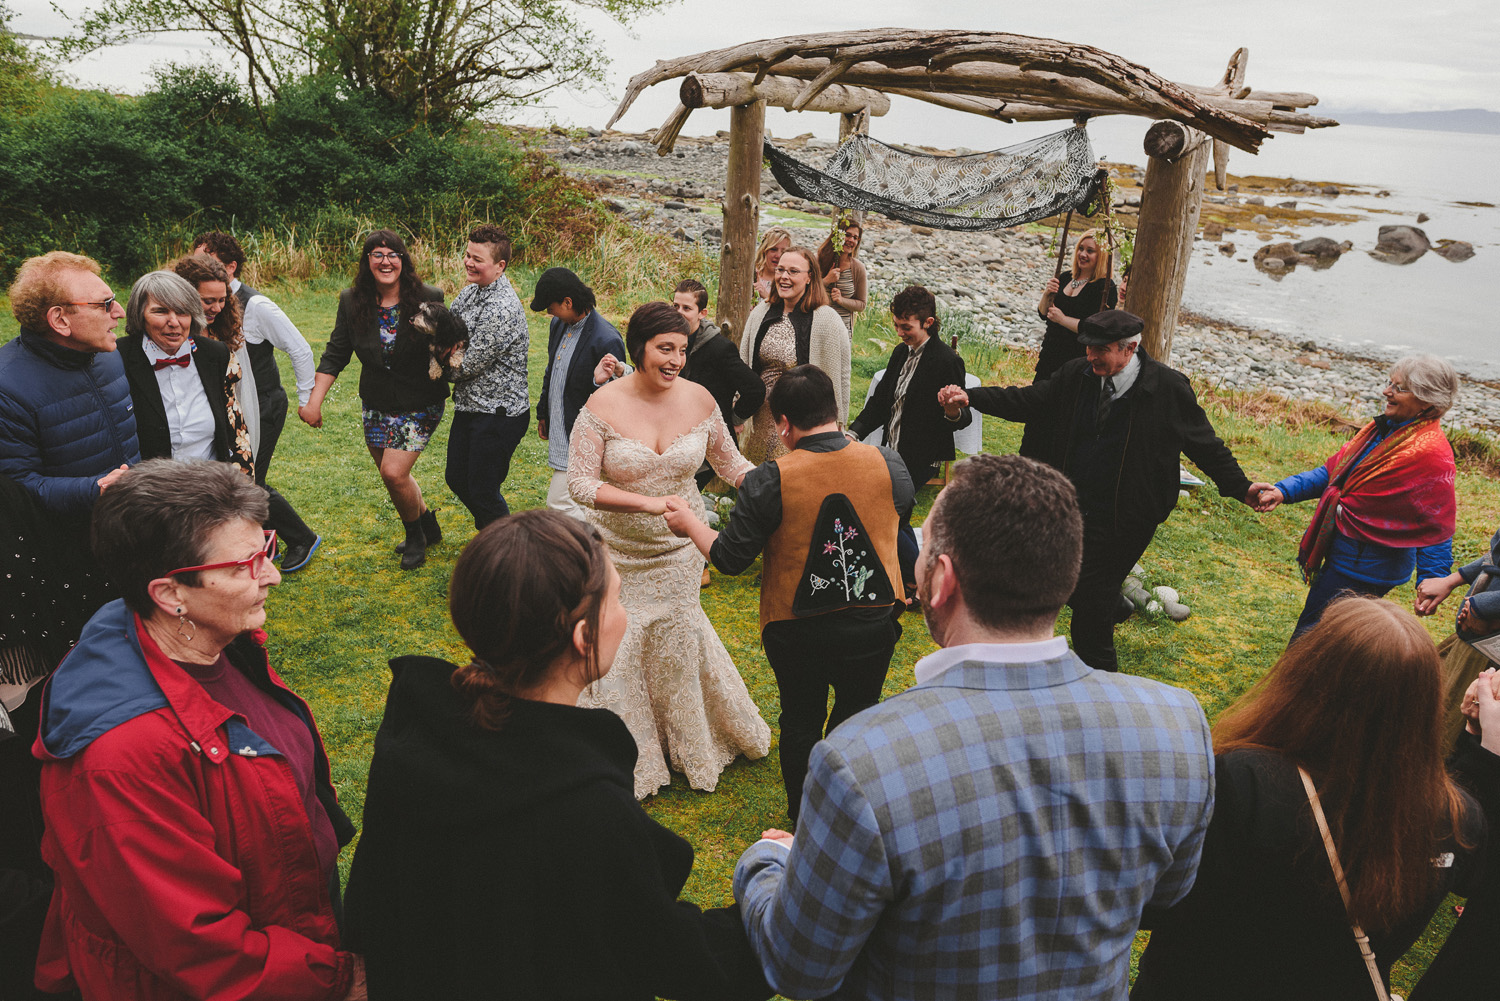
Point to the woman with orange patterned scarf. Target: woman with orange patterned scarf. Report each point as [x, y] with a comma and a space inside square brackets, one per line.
[1386, 503]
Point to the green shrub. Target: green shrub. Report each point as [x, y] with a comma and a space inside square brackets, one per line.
[130, 180]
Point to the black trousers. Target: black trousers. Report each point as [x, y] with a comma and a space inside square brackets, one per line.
[289, 526]
[1107, 559]
[906, 538]
[25, 880]
[848, 652]
[479, 451]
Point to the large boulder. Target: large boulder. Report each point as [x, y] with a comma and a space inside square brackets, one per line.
[1400, 244]
[908, 248]
[1319, 246]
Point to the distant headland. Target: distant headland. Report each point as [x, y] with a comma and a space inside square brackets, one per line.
[1456, 120]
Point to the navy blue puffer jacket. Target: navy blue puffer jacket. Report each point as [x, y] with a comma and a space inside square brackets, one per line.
[65, 420]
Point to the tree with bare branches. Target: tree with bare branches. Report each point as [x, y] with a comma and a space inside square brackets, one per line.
[441, 60]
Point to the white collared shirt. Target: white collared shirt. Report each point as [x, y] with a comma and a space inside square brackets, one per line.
[264, 321]
[1126, 378]
[190, 417]
[934, 664]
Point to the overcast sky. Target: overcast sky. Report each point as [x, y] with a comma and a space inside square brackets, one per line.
[1376, 55]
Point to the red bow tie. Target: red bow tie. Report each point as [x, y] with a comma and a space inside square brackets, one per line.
[162, 363]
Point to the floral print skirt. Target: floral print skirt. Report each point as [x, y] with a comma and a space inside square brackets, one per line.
[408, 431]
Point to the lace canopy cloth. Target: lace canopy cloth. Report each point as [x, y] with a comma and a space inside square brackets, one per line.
[981, 191]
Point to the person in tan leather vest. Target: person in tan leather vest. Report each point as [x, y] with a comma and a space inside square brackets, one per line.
[826, 516]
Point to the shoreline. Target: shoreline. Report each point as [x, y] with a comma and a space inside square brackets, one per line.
[990, 283]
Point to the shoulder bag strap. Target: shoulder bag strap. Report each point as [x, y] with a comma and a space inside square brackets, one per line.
[1360, 938]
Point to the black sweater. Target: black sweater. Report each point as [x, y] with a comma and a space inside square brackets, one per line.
[403, 386]
[714, 363]
[516, 863]
[1264, 918]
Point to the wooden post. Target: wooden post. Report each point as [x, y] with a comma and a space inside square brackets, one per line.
[1171, 197]
[849, 125]
[747, 126]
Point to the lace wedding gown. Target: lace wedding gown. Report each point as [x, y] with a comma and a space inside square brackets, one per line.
[672, 682]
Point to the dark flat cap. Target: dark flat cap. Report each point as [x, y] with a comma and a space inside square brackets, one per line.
[1107, 327]
[557, 284]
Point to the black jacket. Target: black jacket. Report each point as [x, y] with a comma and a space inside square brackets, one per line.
[516, 863]
[597, 339]
[210, 361]
[1264, 918]
[715, 364]
[401, 388]
[1165, 423]
[926, 432]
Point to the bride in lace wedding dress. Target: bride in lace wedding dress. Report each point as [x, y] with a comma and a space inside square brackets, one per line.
[638, 441]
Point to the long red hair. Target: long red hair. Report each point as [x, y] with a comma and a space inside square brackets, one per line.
[1357, 701]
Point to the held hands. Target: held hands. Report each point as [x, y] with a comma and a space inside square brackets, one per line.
[108, 479]
[609, 367]
[1263, 497]
[679, 516]
[1481, 710]
[772, 834]
[953, 399]
[311, 414]
[1433, 591]
[541, 430]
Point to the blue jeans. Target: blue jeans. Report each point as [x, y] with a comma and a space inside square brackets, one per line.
[1330, 583]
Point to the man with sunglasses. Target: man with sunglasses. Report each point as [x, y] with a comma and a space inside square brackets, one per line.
[67, 433]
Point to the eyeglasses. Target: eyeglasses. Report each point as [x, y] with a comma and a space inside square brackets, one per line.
[256, 563]
[106, 305]
[378, 256]
[1393, 384]
[790, 272]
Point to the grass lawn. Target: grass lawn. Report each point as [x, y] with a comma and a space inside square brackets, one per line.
[334, 625]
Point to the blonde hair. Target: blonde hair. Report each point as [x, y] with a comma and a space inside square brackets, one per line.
[1102, 260]
[38, 286]
[773, 236]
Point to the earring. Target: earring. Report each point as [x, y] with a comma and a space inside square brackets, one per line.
[185, 623]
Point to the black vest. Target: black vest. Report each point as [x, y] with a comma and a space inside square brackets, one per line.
[1094, 465]
[262, 355]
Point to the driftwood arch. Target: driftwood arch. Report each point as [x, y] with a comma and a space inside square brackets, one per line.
[1004, 77]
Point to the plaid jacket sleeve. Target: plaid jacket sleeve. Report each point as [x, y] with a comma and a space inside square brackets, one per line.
[808, 911]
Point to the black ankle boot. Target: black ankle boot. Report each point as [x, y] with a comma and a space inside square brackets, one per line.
[431, 530]
[414, 550]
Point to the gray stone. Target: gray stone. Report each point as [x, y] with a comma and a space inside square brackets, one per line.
[1273, 264]
[1319, 246]
[1212, 230]
[1286, 205]
[713, 233]
[1255, 200]
[1454, 250]
[1260, 220]
[613, 205]
[1227, 249]
[1422, 217]
[675, 205]
[1329, 191]
[1176, 611]
[1400, 244]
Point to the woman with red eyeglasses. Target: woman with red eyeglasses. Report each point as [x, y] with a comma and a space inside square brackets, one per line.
[191, 822]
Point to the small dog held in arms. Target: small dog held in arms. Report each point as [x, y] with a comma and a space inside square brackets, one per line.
[446, 337]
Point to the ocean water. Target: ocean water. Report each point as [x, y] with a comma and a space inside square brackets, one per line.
[1361, 304]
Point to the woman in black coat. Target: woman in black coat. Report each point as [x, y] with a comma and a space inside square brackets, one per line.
[1356, 702]
[401, 406]
[504, 854]
[177, 374]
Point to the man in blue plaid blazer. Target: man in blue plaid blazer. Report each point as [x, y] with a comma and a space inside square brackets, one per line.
[994, 831]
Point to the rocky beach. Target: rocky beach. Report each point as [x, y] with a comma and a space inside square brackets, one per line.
[988, 284]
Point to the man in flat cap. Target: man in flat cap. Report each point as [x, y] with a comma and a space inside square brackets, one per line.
[1116, 423]
[577, 340]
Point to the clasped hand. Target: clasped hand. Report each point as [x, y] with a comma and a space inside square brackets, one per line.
[1481, 710]
[679, 516]
[608, 368]
[953, 399]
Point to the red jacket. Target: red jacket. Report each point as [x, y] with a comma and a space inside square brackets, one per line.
[184, 858]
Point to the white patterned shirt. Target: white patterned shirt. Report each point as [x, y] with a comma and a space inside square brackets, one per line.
[492, 377]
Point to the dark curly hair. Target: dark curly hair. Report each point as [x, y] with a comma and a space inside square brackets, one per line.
[366, 296]
[228, 326]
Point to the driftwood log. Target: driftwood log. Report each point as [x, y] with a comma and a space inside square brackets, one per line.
[999, 75]
[726, 90]
[747, 125]
[1171, 197]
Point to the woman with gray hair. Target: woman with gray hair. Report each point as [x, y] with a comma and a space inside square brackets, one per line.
[1386, 504]
[190, 818]
[177, 373]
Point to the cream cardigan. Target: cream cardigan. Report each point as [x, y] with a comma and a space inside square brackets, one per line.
[828, 349]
